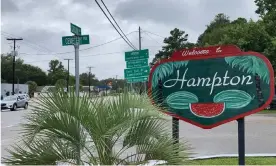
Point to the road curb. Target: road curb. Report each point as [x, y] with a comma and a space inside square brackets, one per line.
[234, 155]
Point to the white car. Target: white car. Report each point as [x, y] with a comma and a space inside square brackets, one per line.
[13, 102]
[26, 96]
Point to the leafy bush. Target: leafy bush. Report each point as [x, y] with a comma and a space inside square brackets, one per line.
[32, 87]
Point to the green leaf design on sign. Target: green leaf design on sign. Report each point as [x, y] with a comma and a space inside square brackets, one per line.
[166, 69]
[250, 64]
[233, 98]
[181, 99]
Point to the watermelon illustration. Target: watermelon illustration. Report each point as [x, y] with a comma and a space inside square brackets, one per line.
[207, 110]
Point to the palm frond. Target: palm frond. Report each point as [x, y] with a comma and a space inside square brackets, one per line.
[41, 151]
[250, 64]
[97, 131]
[166, 69]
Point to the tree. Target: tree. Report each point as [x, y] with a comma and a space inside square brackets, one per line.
[214, 28]
[23, 72]
[84, 79]
[61, 83]
[56, 71]
[32, 87]
[178, 40]
[80, 131]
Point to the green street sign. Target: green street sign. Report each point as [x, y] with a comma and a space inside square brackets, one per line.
[137, 63]
[75, 29]
[210, 90]
[138, 79]
[138, 54]
[137, 72]
[71, 40]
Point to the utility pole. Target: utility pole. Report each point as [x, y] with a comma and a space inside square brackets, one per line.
[89, 67]
[116, 84]
[13, 62]
[145, 84]
[68, 75]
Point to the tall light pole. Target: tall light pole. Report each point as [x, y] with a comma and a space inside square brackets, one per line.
[68, 75]
[89, 67]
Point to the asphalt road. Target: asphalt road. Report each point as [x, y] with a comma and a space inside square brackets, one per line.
[260, 133]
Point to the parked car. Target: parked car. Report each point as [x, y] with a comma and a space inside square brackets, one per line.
[13, 102]
[27, 97]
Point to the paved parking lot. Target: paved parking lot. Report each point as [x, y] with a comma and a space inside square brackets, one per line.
[260, 134]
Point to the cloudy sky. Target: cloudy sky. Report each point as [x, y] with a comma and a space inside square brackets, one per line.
[42, 23]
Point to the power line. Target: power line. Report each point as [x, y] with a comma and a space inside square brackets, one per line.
[151, 37]
[117, 23]
[114, 25]
[28, 41]
[25, 43]
[154, 34]
[58, 53]
[80, 56]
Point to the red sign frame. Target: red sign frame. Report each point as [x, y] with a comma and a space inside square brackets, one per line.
[235, 52]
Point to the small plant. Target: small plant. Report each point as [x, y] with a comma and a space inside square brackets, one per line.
[120, 130]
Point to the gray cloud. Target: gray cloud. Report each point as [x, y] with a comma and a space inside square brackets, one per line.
[44, 22]
[8, 6]
[182, 13]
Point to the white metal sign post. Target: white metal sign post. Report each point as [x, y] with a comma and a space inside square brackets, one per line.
[76, 40]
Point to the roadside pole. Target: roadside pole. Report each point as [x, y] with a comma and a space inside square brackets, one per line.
[13, 61]
[68, 74]
[76, 40]
[140, 45]
[77, 66]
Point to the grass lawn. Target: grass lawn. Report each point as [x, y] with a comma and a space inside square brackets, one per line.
[267, 112]
[234, 161]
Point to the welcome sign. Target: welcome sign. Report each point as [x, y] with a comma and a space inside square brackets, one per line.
[211, 86]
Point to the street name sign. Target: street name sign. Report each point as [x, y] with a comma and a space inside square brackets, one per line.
[72, 40]
[137, 63]
[137, 79]
[137, 72]
[75, 29]
[208, 87]
[135, 55]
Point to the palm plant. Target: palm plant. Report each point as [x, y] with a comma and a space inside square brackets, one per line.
[77, 130]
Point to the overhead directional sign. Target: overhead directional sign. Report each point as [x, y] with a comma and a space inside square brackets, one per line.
[138, 54]
[137, 72]
[75, 29]
[72, 40]
[137, 79]
[137, 63]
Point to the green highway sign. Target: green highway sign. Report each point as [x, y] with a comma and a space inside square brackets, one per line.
[137, 72]
[138, 54]
[71, 40]
[137, 63]
[137, 79]
[75, 29]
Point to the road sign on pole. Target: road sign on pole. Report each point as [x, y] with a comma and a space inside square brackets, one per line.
[137, 63]
[76, 41]
[137, 72]
[138, 54]
[137, 79]
[75, 29]
[72, 40]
